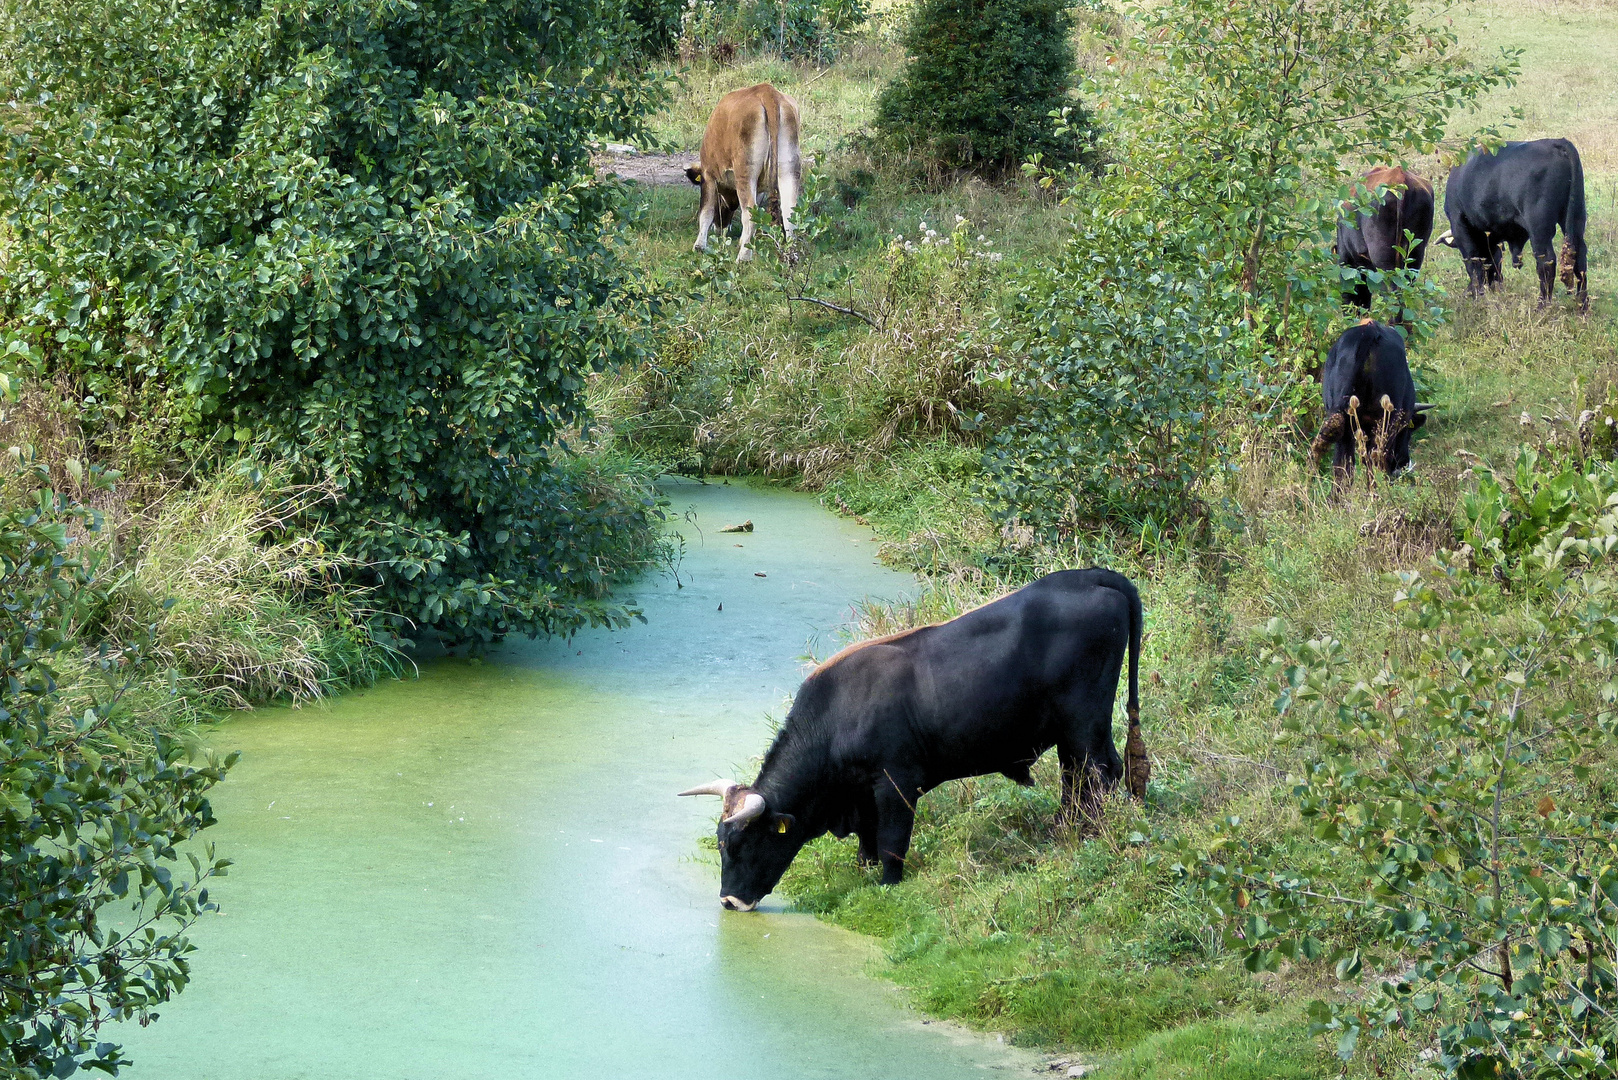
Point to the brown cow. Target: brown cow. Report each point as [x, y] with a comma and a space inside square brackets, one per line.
[750, 146]
[1375, 240]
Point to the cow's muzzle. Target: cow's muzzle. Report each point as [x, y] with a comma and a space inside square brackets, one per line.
[730, 903]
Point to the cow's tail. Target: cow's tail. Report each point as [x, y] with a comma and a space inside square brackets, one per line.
[1330, 432]
[1572, 260]
[1137, 766]
[772, 136]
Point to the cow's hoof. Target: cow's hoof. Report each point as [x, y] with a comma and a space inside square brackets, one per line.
[699, 247]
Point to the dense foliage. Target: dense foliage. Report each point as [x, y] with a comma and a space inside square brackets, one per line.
[1248, 114]
[656, 23]
[984, 79]
[1465, 785]
[813, 30]
[90, 821]
[1137, 353]
[365, 236]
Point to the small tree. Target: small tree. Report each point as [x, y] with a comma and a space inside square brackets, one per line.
[90, 818]
[1248, 115]
[1115, 359]
[1208, 243]
[983, 80]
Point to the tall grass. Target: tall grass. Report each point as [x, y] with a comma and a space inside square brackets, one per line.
[248, 607]
[214, 573]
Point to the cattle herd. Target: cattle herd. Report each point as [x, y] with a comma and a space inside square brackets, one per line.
[886, 720]
[1507, 198]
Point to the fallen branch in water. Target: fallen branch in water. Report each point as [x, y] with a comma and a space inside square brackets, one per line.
[839, 309]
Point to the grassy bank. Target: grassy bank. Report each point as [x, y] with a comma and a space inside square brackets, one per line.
[1086, 939]
[208, 572]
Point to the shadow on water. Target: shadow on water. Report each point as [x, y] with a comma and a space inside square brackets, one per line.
[484, 873]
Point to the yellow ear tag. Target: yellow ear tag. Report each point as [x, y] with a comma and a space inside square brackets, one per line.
[781, 826]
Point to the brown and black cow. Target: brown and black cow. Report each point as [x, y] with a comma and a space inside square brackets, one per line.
[750, 148]
[1375, 239]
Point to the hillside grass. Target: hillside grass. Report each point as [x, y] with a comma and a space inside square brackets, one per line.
[1061, 938]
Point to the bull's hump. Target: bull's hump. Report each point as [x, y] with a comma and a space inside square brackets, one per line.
[859, 646]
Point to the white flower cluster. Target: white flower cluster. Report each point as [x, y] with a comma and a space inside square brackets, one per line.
[927, 236]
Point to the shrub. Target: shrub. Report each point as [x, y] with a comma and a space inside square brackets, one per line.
[983, 80]
[89, 818]
[1244, 107]
[657, 23]
[1463, 787]
[365, 234]
[1201, 276]
[814, 30]
[1115, 357]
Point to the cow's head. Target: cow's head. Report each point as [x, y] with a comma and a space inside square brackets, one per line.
[693, 173]
[756, 844]
[1446, 239]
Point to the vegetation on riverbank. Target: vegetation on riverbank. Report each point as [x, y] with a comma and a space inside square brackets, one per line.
[1097, 939]
[297, 303]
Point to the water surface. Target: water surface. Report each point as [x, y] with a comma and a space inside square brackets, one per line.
[484, 873]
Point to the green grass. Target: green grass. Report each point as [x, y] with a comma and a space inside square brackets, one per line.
[1242, 1048]
[1006, 921]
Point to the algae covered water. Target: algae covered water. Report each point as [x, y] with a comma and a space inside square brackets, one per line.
[484, 873]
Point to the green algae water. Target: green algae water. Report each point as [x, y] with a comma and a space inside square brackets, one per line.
[485, 873]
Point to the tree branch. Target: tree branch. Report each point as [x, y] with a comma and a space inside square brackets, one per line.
[838, 308]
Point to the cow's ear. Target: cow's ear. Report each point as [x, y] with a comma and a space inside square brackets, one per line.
[693, 173]
[783, 822]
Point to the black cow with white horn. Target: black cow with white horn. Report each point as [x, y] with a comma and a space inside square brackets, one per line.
[1520, 194]
[886, 720]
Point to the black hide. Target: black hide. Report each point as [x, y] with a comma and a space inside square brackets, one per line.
[1368, 362]
[1522, 194]
[884, 721]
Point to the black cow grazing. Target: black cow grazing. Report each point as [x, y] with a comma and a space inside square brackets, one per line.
[886, 720]
[1366, 385]
[1376, 240]
[1521, 194]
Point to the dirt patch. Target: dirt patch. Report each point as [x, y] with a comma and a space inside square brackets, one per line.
[645, 168]
[653, 168]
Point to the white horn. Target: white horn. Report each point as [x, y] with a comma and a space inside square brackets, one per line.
[752, 806]
[720, 788]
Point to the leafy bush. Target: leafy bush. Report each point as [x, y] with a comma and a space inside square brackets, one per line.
[1201, 276]
[658, 23]
[1243, 107]
[89, 818]
[1539, 500]
[1464, 786]
[984, 78]
[815, 30]
[1116, 362]
[365, 234]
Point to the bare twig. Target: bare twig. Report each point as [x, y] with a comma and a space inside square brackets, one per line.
[839, 309]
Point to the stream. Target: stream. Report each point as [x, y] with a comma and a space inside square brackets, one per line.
[484, 872]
